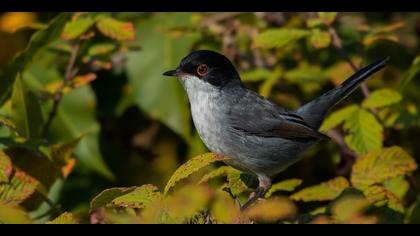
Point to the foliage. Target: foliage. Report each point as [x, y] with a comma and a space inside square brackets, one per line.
[90, 131]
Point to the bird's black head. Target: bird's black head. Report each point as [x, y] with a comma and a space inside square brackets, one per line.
[208, 66]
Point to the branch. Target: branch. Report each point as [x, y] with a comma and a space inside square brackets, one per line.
[337, 42]
[69, 75]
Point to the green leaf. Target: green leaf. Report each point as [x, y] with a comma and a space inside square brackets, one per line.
[65, 218]
[238, 182]
[7, 122]
[337, 117]
[138, 198]
[278, 38]
[413, 213]
[13, 215]
[192, 166]
[26, 111]
[287, 185]
[319, 39]
[256, 75]
[398, 186]
[101, 48]
[162, 51]
[20, 188]
[410, 74]
[380, 165]
[38, 40]
[381, 98]
[365, 132]
[76, 117]
[380, 196]
[116, 29]
[322, 192]
[105, 197]
[72, 30]
[6, 167]
[327, 17]
[219, 172]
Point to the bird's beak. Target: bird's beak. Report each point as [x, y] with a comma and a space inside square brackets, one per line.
[173, 72]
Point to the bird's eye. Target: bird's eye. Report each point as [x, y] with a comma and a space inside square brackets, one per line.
[202, 70]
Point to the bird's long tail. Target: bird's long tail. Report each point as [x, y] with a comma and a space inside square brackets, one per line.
[314, 112]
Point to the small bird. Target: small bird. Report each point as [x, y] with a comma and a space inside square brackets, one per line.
[258, 136]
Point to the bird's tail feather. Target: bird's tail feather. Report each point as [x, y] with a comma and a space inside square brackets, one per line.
[314, 112]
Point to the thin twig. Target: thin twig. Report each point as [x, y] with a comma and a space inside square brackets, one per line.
[69, 75]
[337, 42]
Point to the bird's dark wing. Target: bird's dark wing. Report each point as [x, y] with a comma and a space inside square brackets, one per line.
[254, 115]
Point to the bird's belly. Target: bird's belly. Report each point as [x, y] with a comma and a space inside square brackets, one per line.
[247, 153]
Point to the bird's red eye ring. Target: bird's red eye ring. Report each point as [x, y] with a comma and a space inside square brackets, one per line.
[202, 70]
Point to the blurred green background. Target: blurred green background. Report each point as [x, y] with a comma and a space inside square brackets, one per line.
[137, 122]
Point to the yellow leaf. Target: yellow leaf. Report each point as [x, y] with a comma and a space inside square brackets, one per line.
[192, 166]
[272, 209]
[65, 218]
[10, 22]
[380, 165]
[322, 192]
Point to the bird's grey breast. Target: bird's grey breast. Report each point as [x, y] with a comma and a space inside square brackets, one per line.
[208, 110]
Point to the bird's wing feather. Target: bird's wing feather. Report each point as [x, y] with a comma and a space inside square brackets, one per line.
[265, 119]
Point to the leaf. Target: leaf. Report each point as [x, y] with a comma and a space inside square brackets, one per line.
[38, 40]
[287, 185]
[14, 21]
[106, 197]
[81, 80]
[351, 209]
[322, 192]
[6, 167]
[179, 207]
[192, 166]
[20, 188]
[116, 29]
[278, 38]
[256, 75]
[327, 17]
[337, 117]
[65, 218]
[380, 165]
[101, 48]
[62, 155]
[410, 74]
[365, 132]
[381, 98]
[398, 186]
[219, 172]
[8, 123]
[272, 209]
[75, 28]
[319, 39]
[138, 198]
[26, 111]
[162, 52]
[380, 196]
[13, 215]
[238, 182]
[225, 210]
[75, 117]
[413, 213]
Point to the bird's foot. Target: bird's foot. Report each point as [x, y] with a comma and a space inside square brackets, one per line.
[264, 185]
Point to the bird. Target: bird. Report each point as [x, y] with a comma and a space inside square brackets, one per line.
[258, 136]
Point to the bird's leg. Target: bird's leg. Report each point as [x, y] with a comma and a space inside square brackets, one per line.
[235, 198]
[264, 185]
